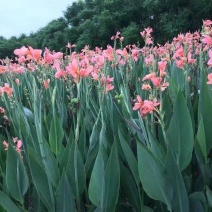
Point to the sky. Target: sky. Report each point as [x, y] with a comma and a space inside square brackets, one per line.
[26, 16]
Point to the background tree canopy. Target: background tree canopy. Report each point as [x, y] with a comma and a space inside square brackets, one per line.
[93, 22]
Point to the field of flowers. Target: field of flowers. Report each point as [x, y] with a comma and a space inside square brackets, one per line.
[116, 129]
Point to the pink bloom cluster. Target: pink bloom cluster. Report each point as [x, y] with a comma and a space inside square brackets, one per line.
[145, 106]
[6, 89]
[17, 142]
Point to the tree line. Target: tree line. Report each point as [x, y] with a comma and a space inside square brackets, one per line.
[93, 22]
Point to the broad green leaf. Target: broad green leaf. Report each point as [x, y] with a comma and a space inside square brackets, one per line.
[83, 141]
[209, 196]
[97, 180]
[180, 132]
[16, 176]
[167, 108]
[112, 181]
[178, 76]
[51, 165]
[40, 181]
[64, 158]
[129, 187]
[180, 201]
[155, 146]
[201, 139]
[205, 111]
[151, 172]
[148, 209]
[28, 113]
[64, 197]
[7, 203]
[75, 171]
[36, 201]
[198, 202]
[93, 147]
[56, 135]
[130, 157]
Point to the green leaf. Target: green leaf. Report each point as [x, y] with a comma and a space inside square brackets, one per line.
[112, 181]
[16, 176]
[64, 197]
[154, 146]
[56, 135]
[129, 187]
[180, 132]
[178, 76]
[93, 147]
[148, 209]
[180, 201]
[40, 181]
[205, 111]
[130, 157]
[201, 139]
[198, 202]
[95, 189]
[35, 199]
[151, 172]
[75, 171]
[7, 203]
[209, 196]
[51, 165]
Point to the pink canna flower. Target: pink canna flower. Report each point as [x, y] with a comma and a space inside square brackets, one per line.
[6, 145]
[145, 106]
[181, 62]
[149, 76]
[22, 51]
[162, 66]
[207, 40]
[84, 72]
[135, 54]
[94, 75]
[149, 106]
[209, 79]
[18, 146]
[60, 73]
[190, 60]
[46, 83]
[108, 53]
[21, 59]
[164, 86]
[138, 105]
[146, 87]
[179, 53]
[156, 81]
[207, 22]
[57, 55]
[3, 69]
[34, 54]
[17, 81]
[68, 45]
[2, 110]
[106, 81]
[7, 89]
[73, 69]
[210, 60]
[109, 87]
[148, 60]
[148, 41]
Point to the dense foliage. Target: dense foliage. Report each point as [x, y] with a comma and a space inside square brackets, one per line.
[114, 129]
[93, 22]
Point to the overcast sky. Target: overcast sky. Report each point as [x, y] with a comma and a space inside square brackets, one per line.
[25, 16]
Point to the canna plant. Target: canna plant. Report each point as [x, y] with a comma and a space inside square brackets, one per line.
[125, 129]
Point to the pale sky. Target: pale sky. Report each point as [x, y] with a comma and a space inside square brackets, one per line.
[25, 16]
